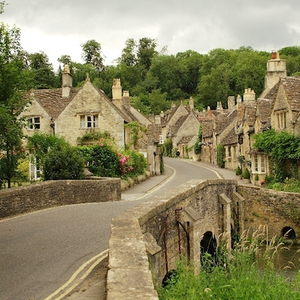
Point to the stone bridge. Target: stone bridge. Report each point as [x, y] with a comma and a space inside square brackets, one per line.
[147, 240]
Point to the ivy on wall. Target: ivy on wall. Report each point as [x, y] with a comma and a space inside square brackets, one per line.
[281, 147]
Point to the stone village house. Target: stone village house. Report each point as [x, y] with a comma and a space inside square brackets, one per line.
[73, 112]
[278, 107]
[181, 125]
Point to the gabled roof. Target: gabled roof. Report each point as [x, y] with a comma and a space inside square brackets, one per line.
[223, 120]
[263, 113]
[230, 139]
[207, 128]
[291, 86]
[51, 100]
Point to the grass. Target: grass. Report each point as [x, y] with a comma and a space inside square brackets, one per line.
[239, 275]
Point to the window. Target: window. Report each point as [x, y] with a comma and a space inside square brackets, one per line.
[161, 139]
[34, 123]
[35, 171]
[88, 121]
[281, 120]
[258, 163]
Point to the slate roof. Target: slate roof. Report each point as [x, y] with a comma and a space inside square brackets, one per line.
[207, 129]
[292, 89]
[51, 100]
[230, 139]
[263, 113]
[186, 139]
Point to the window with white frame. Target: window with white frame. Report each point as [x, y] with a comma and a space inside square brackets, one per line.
[259, 163]
[88, 121]
[35, 171]
[34, 123]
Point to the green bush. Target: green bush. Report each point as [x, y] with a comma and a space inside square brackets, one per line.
[103, 161]
[62, 163]
[238, 171]
[220, 156]
[246, 174]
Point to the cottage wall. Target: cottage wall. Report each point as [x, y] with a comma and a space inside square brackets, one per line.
[89, 101]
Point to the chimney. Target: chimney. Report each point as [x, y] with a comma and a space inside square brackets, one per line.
[231, 103]
[117, 93]
[126, 99]
[276, 69]
[191, 102]
[219, 106]
[117, 89]
[66, 82]
[249, 96]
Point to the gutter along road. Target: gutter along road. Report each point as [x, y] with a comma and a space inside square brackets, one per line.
[41, 251]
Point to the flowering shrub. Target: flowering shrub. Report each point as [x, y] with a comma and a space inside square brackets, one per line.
[124, 163]
[104, 161]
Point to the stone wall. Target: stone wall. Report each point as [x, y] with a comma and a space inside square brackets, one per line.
[137, 236]
[55, 193]
[269, 208]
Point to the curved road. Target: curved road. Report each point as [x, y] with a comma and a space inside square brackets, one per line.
[41, 251]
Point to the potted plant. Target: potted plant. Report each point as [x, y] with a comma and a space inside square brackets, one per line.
[238, 172]
[246, 175]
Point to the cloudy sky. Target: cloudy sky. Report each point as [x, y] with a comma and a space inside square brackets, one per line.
[59, 27]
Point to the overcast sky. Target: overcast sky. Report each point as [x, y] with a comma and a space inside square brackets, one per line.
[59, 27]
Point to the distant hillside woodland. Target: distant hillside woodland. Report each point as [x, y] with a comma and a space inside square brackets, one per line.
[155, 79]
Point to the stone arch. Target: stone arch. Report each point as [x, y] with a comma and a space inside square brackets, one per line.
[288, 232]
[208, 245]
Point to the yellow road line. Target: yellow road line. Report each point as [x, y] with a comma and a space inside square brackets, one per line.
[102, 255]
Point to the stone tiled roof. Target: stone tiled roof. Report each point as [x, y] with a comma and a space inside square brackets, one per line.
[153, 133]
[250, 115]
[51, 100]
[207, 129]
[230, 138]
[263, 112]
[223, 120]
[292, 89]
[174, 128]
[186, 139]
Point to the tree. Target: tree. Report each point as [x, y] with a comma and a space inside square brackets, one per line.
[129, 53]
[42, 71]
[14, 78]
[2, 3]
[92, 54]
[10, 145]
[145, 53]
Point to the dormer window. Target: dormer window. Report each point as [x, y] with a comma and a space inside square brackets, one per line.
[34, 123]
[281, 120]
[88, 121]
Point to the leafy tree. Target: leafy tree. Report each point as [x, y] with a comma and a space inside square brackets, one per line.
[10, 145]
[14, 78]
[2, 3]
[42, 71]
[128, 56]
[92, 54]
[146, 52]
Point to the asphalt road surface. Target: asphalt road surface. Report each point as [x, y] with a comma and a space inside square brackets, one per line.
[40, 251]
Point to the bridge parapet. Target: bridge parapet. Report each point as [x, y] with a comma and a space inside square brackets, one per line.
[159, 231]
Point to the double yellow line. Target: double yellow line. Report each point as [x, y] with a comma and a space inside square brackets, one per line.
[77, 278]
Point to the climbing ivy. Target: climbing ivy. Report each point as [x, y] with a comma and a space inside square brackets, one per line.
[220, 156]
[282, 147]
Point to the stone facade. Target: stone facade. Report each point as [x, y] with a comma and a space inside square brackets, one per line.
[278, 108]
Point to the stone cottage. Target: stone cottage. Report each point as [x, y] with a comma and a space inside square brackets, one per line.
[73, 112]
